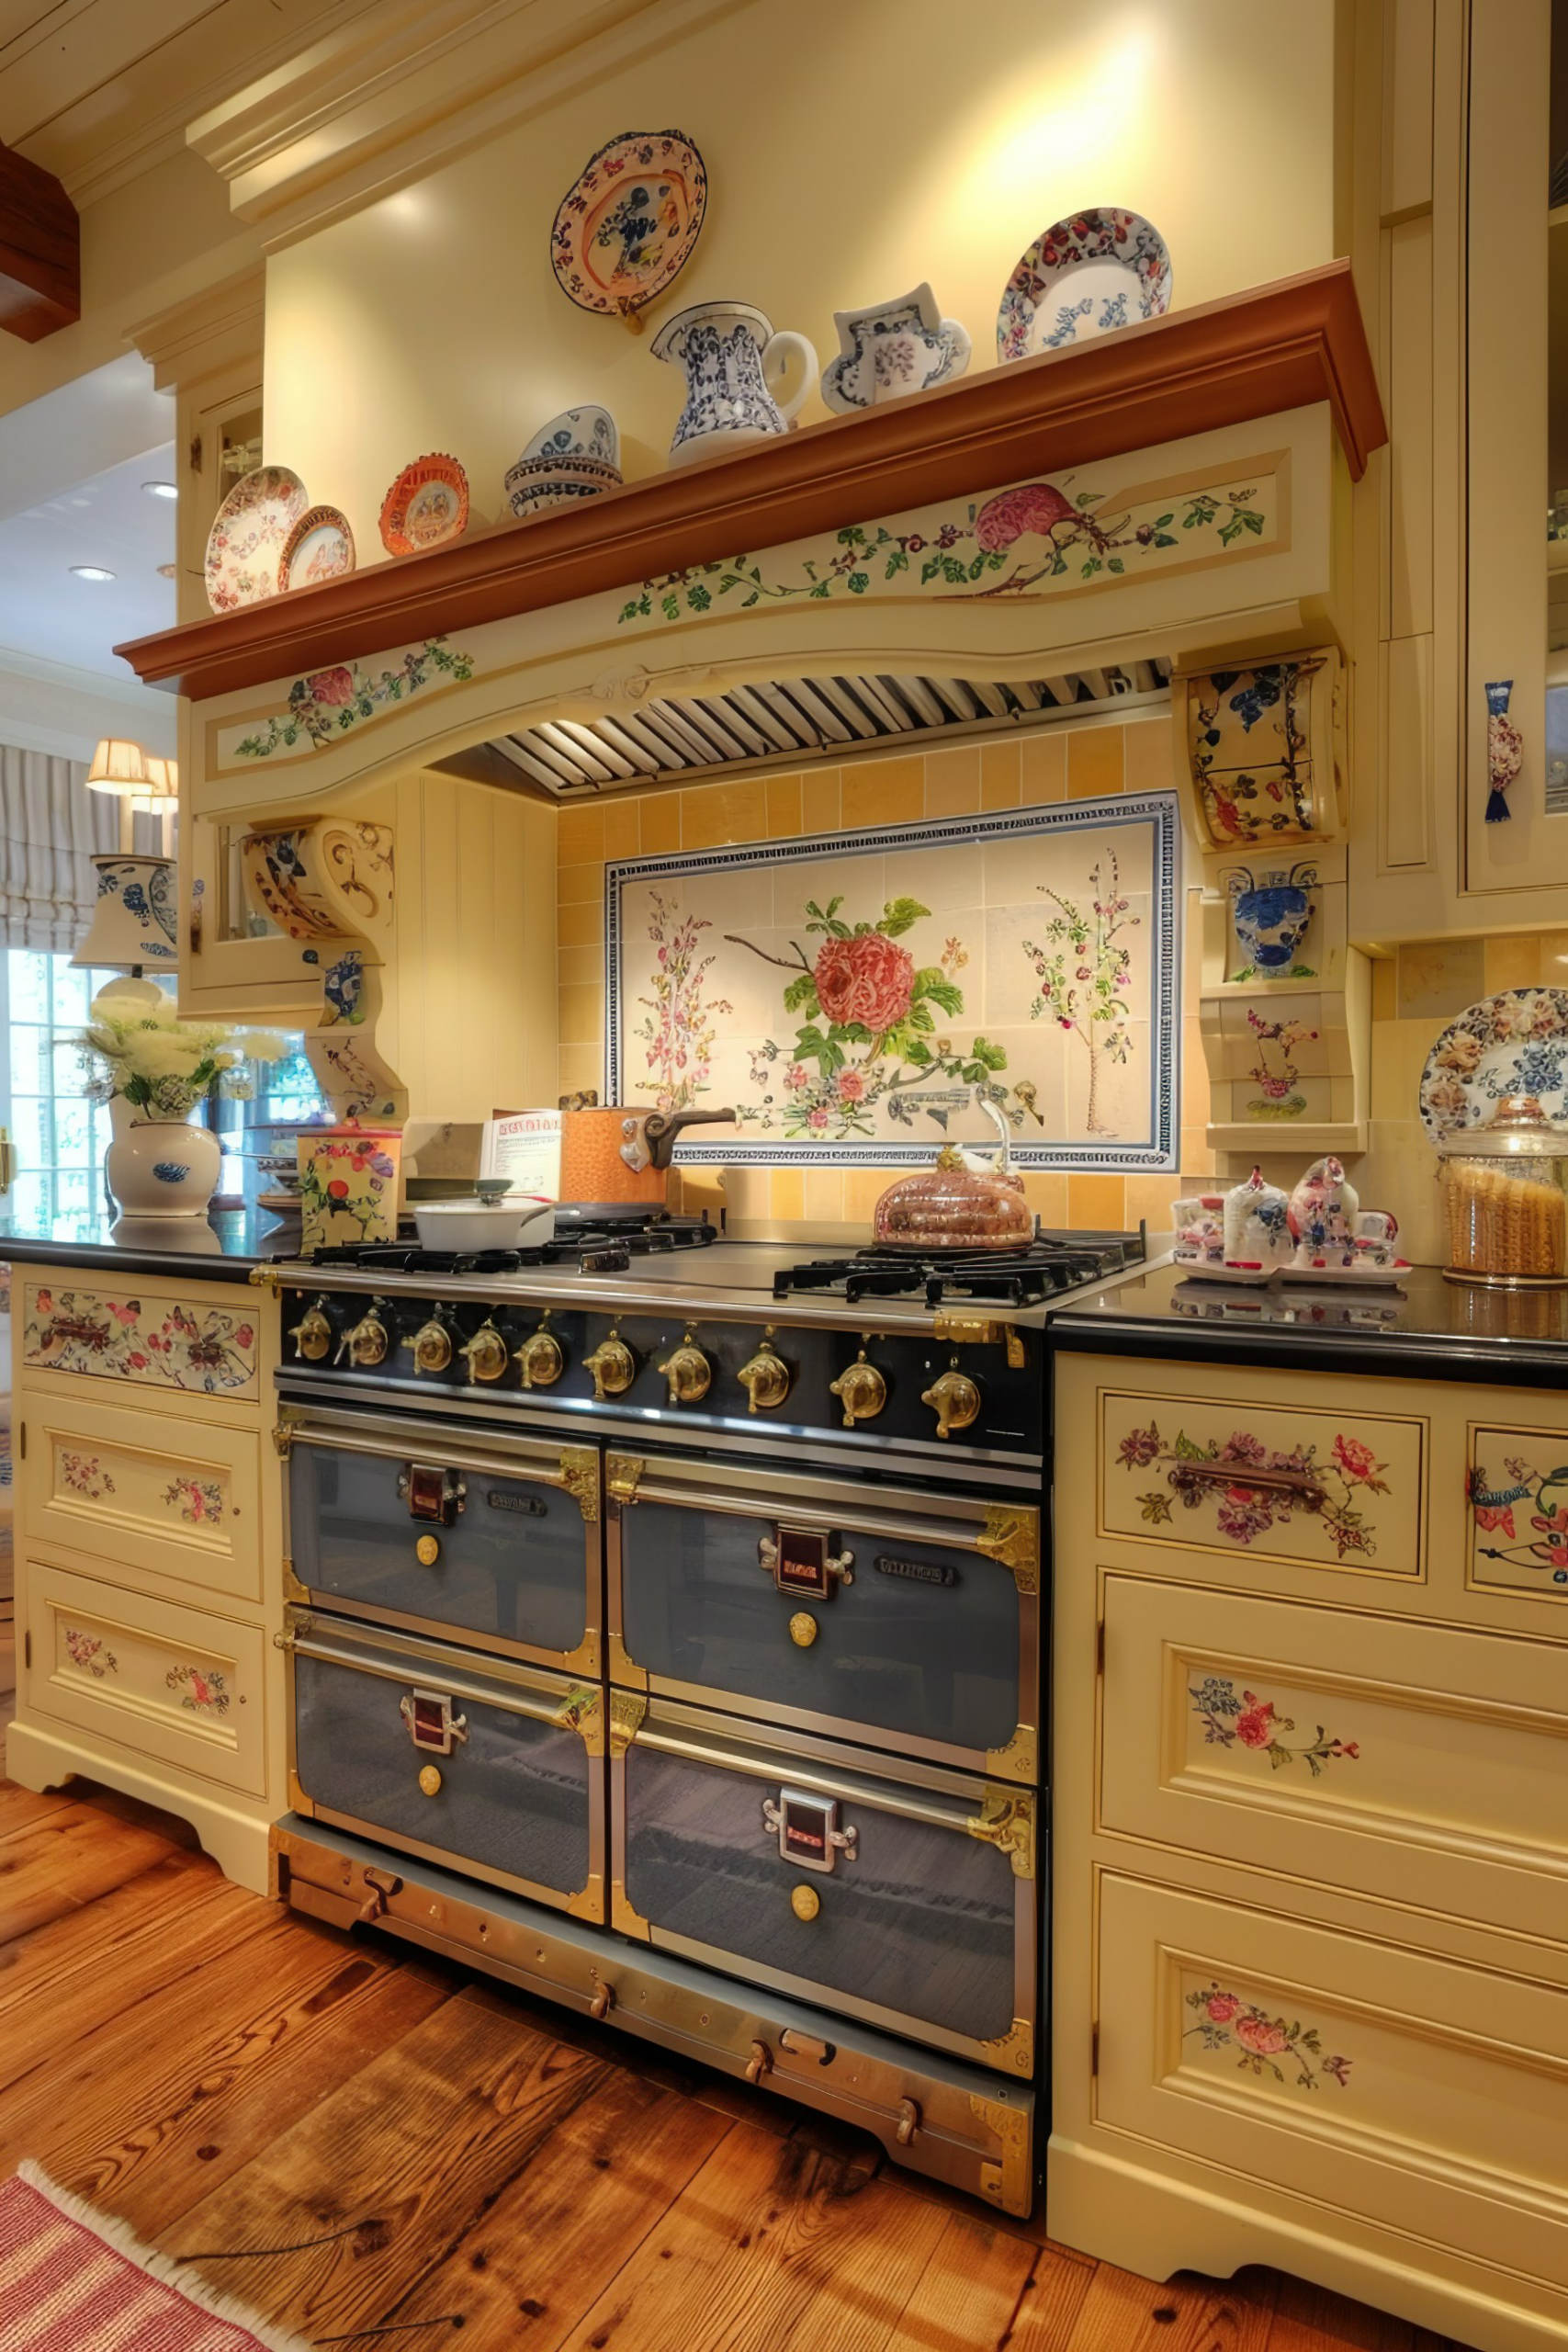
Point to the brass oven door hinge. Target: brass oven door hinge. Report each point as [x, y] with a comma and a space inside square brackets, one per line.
[289, 1419]
[1012, 1536]
[1006, 1820]
[628, 1709]
[580, 1477]
[265, 1278]
[622, 1473]
[980, 1331]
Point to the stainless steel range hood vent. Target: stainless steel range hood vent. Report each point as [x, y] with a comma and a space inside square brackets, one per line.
[787, 722]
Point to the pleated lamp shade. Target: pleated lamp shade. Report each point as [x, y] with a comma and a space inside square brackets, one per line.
[133, 921]
[119, 767]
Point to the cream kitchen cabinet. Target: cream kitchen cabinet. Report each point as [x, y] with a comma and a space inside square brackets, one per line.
[148, 1536]
[1310, 1889]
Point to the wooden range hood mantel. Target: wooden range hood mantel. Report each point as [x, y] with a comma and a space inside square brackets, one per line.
[1280, 347]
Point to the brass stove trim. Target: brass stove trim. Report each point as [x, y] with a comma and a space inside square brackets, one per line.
[1011, 1537]
[625, 1914]
[582, 1711]
[628, 1709]
[981, 1331]
[1007, 2181]
[1019, 1759]
[623, 1472]
[1013, 2052]
[580, 1476]
[1006, 1820]
[289, 1419]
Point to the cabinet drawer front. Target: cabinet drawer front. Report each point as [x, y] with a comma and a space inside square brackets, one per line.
[1517, 1497]
[1397, 2086]
[513, 1792]
[170, 1682]
[151, 1492]
[138, 1333]
[1411, 1761]
[834, 1607]
[887, 1903]
[1285, 1482]
[419, 1529]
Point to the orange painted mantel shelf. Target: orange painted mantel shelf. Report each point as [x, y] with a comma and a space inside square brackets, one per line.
[1280, 347]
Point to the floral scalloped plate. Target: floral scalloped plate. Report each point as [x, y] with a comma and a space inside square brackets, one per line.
[250, 531]
[1515, 1043]
[1097, 270]
[319, 547]
[426, 507]
[630, 222]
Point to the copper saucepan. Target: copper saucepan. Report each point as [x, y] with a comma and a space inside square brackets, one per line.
[615, 1161]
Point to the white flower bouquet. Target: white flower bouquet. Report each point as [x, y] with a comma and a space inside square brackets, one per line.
[164, 1066]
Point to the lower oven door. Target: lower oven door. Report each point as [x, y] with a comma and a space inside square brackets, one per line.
[907, 1617]
[494, 1769]
[897, 1893]
[427, 1524]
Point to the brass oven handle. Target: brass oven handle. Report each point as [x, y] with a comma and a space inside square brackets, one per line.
[899, 1802]
[456, 1726]
[957, 1534]
[844, 1841]
[501, 1466]
[299, 1642]
[1302, 1483]
[837, 1563]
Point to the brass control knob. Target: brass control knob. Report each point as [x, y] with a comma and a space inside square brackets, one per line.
[805, 1902]
[861, 1390]
[429, 1781]
[612, 1365]
[485, 1354]
[312, 1335]
[688, 1371]
[541, 1357]
[427, 1551]
[765, 1379]
[367, 1343]
[955, 1399]
[432, 1345]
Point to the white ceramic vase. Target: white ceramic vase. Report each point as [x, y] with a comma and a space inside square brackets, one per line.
[164, 1167]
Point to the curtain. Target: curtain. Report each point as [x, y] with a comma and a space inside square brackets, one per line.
[50, 827]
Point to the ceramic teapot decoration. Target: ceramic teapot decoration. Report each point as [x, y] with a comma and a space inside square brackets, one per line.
[731, 356]
[1320, 1233]
[891, 349]
[1271, 915]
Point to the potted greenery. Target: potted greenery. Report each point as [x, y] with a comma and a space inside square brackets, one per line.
[161, 1068]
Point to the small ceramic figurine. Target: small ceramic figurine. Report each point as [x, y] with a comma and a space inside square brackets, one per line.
[892, 348]
[1319, 1233]
[1200, 1232]
[1258, 1237]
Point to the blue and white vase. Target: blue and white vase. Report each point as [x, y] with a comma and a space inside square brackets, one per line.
[1273, 915]
[731, 356]
[164, 1167]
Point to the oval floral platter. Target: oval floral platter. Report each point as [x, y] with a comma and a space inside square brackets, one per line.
[319, 547]
[426, 507]
[1515, 1043]
[1097, 270]
[249, 534]
[630, 221]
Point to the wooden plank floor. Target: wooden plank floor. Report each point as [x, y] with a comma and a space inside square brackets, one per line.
[232, 2080]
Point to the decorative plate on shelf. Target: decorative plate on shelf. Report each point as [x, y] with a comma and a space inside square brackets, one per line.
[1097, 270]
[426, 506]
[250, 531]
[1516, 1043]
[319, 547]
[629, 224]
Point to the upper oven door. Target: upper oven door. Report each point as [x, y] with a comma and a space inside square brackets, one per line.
[426, 1525]
[905, 1617]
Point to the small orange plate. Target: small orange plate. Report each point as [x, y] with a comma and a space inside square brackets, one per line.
[427, 506]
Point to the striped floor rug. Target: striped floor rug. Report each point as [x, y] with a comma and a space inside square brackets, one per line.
[73, 2280]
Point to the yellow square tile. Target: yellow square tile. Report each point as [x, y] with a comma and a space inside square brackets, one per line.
[1196, 1159]
[1147, 748]
[1149, 1201]
[786, 1194]
[712, 814]
[1097, 1202]
[580, 833]
[622, 825]
[1043, 766]
[1045, 1191]
[1000, 776]
[582, 1012]
[576, 966]
[824, 1194]
[660, 823]
[864, 1187]
[1385, 989]
[581, 925]
[953, 781]
[575, 885]
[784, 807]
[1095, 761]
[884, 792]
[1513, 964]
[820, 800]
[702, 1192]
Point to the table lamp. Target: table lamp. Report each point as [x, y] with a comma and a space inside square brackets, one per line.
[132, 928]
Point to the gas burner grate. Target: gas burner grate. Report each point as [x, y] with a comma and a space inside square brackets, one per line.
[596, 1246]
[1051, 1264]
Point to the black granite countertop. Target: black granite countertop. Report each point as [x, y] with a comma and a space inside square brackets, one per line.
[219, 1247]
[1427, 1330]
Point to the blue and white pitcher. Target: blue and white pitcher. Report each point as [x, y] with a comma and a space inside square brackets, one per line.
[731, 355]
[892, 348]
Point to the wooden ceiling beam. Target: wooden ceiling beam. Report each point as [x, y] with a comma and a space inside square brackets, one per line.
[41, 251]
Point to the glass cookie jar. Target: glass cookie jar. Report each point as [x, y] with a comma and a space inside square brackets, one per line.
[1505, 1198]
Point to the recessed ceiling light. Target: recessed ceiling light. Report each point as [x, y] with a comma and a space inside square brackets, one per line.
[91, 572]
[161, 489]
[168, 571]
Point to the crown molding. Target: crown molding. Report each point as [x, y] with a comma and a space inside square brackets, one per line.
[410, 84]
[207, 331]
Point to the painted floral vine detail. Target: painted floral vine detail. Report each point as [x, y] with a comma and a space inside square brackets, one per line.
[84, 1474]
[680, 1019]
[325, 704]
[1279, 1099]
[82, 1331]
[1254, 1722]
[200, 1500]
[1543, 1491]
[1331, 1490]
[87, 1650]
[1226, 2021]
[203, 1691]
[1083, 971]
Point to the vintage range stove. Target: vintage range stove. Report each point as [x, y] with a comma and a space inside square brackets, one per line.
[664, 1637]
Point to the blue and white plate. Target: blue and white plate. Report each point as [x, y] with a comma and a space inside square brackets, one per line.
[1097, 270]
[1515, 1043]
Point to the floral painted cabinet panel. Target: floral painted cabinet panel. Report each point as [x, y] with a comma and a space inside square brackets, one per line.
[1336, 1490]
[150, 1495]
[135, 1332]
[174, 1685]
[1406, 1761]
[1406, 2089]
[1517, 1495]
